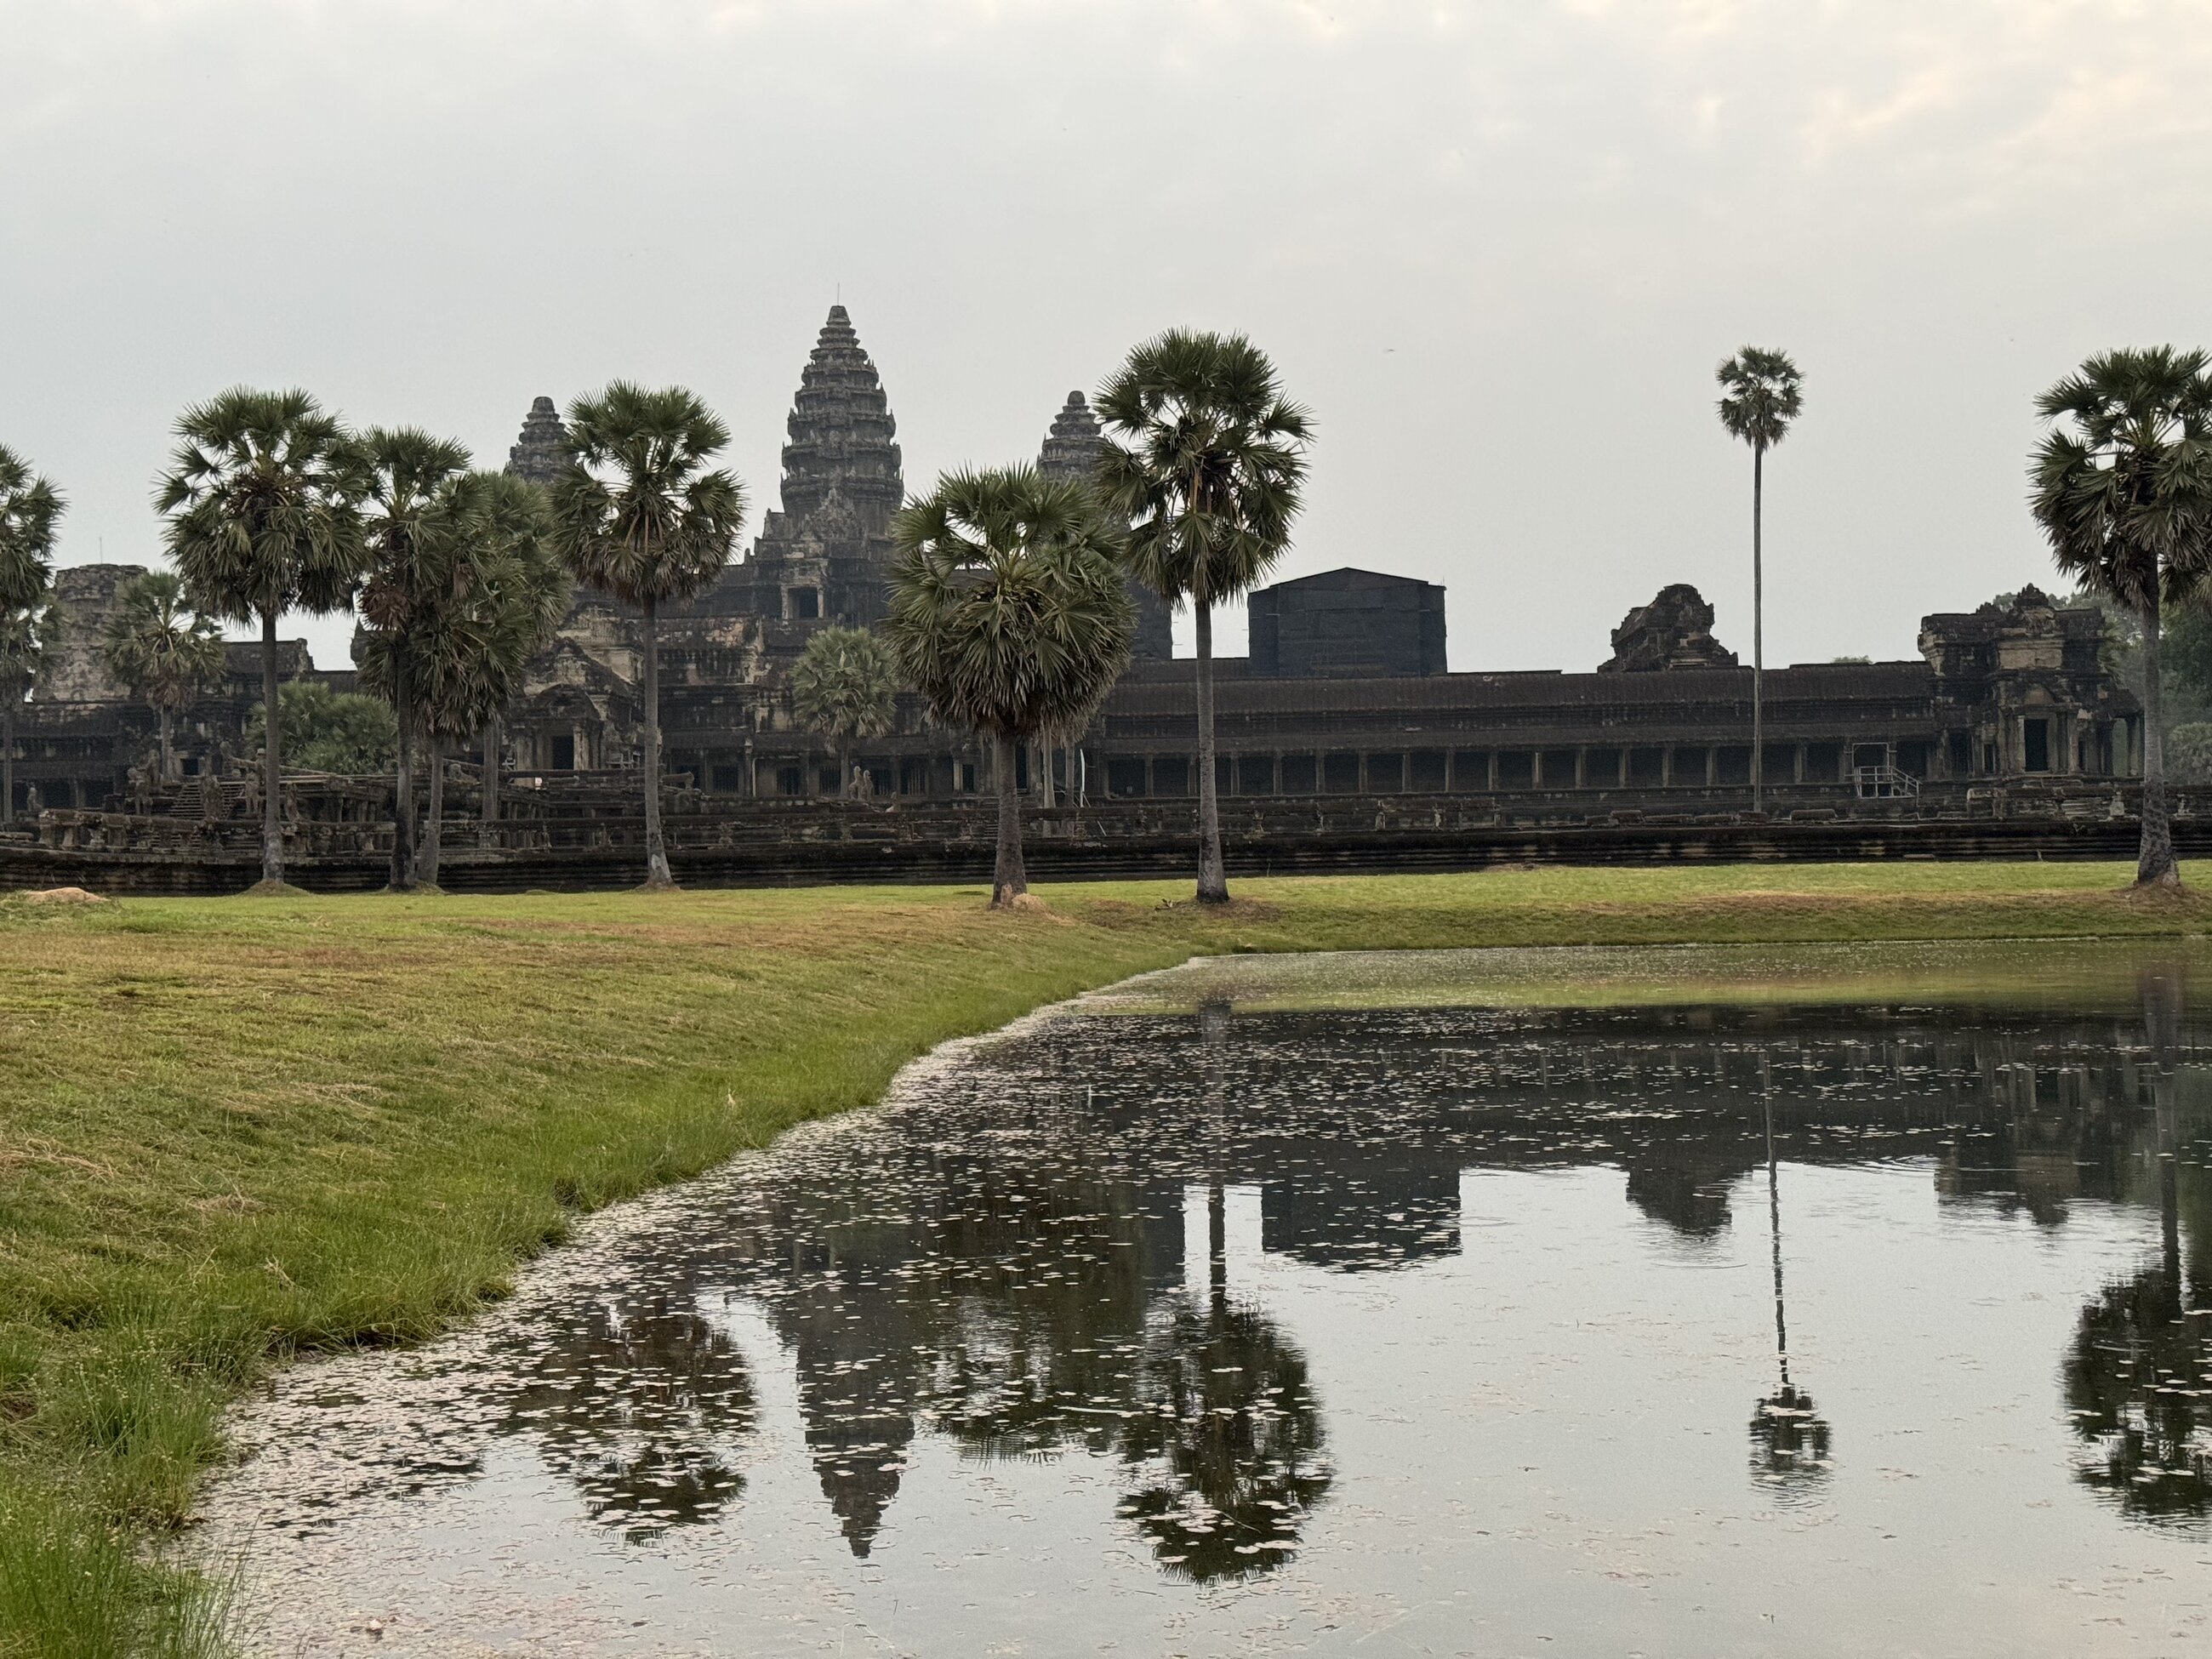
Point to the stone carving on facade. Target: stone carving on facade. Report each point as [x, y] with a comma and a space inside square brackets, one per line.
[1675, 631]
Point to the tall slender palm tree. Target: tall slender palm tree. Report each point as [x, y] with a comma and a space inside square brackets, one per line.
[845, 685]
[164, 650]
[638, 516]
[1008, 614]
[28, 632]
[2122, 487]
[262, 503]
[404, 471]
[1761, 394]
[30, 507]
[1204, 460]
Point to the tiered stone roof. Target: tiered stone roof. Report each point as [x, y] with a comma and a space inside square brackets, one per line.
[1071, 448]
[542, 449]
[1071, 451]
[841, 433]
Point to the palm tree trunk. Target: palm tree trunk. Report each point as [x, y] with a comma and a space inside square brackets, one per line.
[8, 758]
[656, 851]
[844, 773]
[272, 760]
[491, 769]
[168, 749]
[1758, 633]
[1008, 880]
[402, 781]
[1213, 877]
[2154, 865]
[433, 838]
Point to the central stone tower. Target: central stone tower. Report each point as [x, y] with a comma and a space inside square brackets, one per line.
[826, 556]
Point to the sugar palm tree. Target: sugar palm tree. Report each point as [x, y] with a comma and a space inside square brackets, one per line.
[26, 633]
[1008, 614]
[164, 650]
[30, 507]
[1204, 460]
[404, 471]
[845, 685]
[637, 515]
[263, 518]
[2122, 490]
[1761, 394]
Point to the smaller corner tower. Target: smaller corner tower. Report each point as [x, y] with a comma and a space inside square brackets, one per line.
[1070, 450]
[541, 450]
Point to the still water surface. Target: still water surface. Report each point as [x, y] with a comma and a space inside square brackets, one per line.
[1636, 1302]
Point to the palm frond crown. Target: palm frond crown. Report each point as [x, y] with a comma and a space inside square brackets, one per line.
[1206, 459]
[845, 683]
[1762, 394]
[262, 500]
[640, 515]
[157, 644]
[30, 507]
[2122, 484]
[1008, 609]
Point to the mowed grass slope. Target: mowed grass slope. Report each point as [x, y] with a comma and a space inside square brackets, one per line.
[230, 1129]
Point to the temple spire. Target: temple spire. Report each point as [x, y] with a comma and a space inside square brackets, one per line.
[542, 449]
[1072, 448]
[841, 433]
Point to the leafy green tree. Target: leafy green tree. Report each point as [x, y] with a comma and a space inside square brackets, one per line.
[639, 515]
[404, 471]
[514, 607]
[320, 730]
[1205, 460]
[262, 503]
[30, 507]
[2122, 490]
[1009, 615]
[1761, 394]
[26, 633]
[164, 651]
[508, 591]
[845, 685]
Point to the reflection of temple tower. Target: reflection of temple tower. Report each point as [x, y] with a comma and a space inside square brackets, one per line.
[542, 449]
[1071, 451]
[1365, 1213]
[827, 554]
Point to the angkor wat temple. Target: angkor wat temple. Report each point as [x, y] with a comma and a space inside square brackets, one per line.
[1344, 693]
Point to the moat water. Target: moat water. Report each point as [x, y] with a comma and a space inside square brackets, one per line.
[1660, 1302]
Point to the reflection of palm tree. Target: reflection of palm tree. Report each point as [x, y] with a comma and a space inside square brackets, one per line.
[1788, 1441]
[1050, 1345]
[635, 1405]
[1226, 1445]
[2134, 1379]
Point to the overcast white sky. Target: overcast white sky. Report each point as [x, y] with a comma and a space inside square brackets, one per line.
[1498, 247]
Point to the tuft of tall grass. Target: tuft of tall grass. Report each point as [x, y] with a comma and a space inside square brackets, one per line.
[76, 1584]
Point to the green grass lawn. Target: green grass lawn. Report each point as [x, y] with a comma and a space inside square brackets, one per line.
[237, 1129]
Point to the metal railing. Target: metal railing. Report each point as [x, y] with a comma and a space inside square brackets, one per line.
[1883, 783]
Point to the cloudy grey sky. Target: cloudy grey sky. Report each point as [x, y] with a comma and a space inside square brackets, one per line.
[1498, 247]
